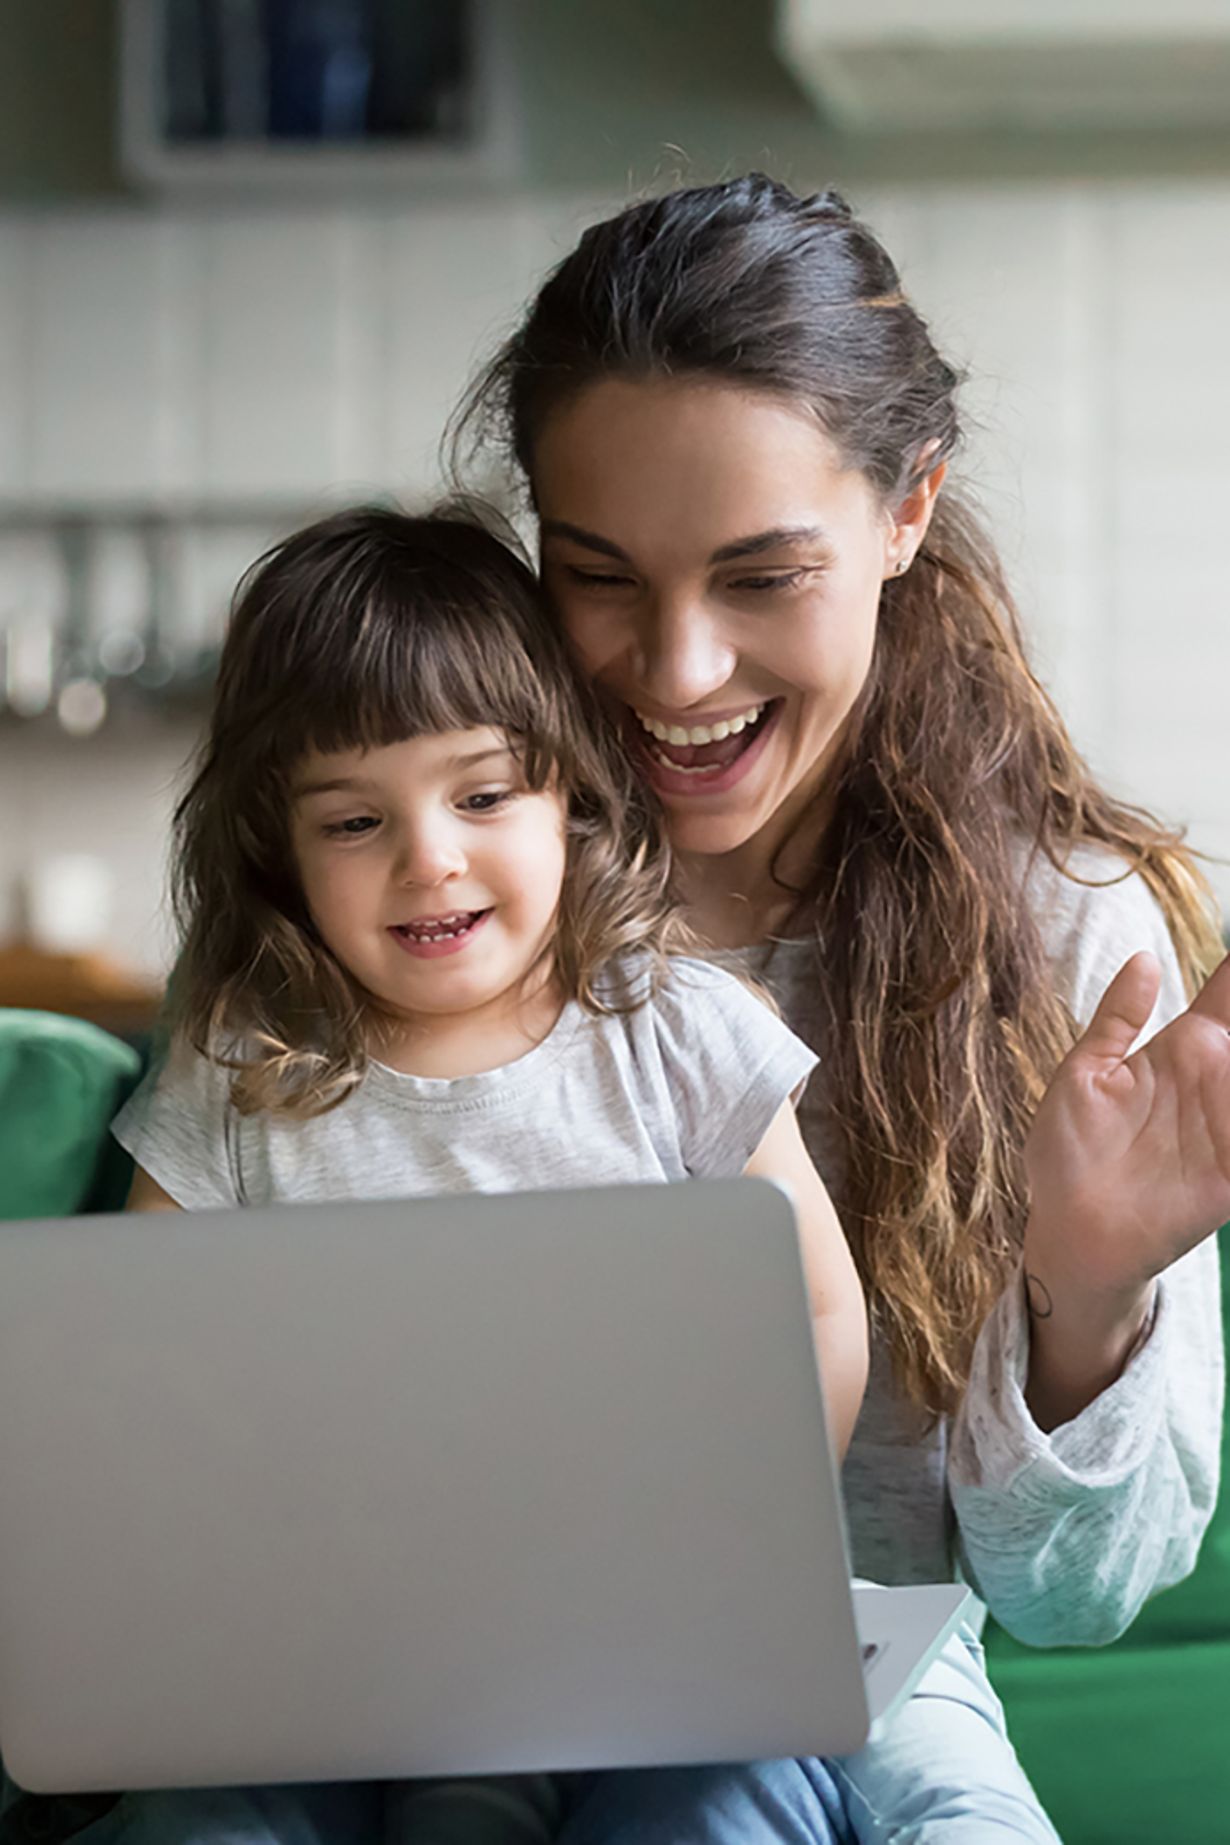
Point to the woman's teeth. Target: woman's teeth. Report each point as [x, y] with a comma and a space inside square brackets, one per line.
[699, 733]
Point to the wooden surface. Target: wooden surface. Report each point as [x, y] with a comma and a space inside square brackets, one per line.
[87, 986]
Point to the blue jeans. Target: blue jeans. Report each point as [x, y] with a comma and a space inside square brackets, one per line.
[943, 1773]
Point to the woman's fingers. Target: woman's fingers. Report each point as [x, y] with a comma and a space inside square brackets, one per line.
[1213, 999]
[1123, 1012]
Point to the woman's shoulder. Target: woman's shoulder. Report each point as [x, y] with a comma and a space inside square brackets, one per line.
[1093, 911]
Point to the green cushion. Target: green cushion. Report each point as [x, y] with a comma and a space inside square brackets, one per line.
[1128, 1742]
[61, 1082]
[1126, 1745]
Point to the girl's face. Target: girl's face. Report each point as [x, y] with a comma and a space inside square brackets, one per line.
[431, 870]
[719, 573]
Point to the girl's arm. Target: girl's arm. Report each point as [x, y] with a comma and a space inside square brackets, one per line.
[145, 1194]
[839, 1315]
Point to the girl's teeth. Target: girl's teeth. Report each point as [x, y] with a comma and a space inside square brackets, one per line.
[457, 925]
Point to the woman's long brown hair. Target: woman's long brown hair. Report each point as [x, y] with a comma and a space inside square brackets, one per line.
[362, 630]
[943, 1022]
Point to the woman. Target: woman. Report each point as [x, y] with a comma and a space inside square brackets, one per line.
[735, 431]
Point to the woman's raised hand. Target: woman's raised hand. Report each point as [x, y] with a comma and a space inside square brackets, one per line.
[1129, 1155]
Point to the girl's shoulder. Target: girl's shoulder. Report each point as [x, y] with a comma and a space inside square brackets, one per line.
[179, 1125]
[677, 983]
[703, 1051]
[700, 1015]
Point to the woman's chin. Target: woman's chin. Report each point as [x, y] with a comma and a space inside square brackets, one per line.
[709, 835]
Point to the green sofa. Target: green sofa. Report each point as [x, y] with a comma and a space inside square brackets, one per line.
[1125, 1743]
[1132, 1741]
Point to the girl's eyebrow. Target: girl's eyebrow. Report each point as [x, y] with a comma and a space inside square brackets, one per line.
[340, 784]
[349, 784]
[752, 546]
[477, 756]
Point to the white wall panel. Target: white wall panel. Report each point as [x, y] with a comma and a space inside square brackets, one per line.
[95, 355]
[272, 299]
[14, 361]
[1166, 458]
[456, 280]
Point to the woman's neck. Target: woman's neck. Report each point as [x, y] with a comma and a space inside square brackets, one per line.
[726, 908]
[736, 899]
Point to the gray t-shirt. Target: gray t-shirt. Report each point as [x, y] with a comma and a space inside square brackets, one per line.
[684, 1086]
[1064, 1534]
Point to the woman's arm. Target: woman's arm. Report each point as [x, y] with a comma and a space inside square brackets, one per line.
[1084, 1461]
[145, 1194]
[839, 1315]
[1129, 1169]
[1066, 1534]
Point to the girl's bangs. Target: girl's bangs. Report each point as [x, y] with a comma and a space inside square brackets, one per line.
[414, 673]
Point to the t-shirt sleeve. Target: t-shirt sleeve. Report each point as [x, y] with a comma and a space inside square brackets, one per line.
[179, 1126]
[728, 1062]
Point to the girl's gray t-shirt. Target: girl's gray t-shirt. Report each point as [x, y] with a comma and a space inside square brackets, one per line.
[682, 1086]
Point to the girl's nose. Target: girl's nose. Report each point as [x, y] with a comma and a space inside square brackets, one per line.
[429, 854]
[683, 656]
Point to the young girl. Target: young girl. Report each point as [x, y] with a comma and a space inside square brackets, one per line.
[428, 945]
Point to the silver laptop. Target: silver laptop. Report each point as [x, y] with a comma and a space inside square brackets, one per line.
[460, 1485]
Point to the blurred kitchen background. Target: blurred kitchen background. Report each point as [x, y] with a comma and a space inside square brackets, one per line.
[250, 250]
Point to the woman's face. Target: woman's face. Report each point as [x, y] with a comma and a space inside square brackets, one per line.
[718, 572]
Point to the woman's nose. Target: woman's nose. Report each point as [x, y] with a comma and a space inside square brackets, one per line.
[683, 656]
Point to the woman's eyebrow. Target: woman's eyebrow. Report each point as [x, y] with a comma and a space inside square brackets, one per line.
[778, 535]
[753, 546]
[560, 528]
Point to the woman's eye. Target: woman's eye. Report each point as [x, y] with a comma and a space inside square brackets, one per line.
[597, 579]
[353, 828]
[778, 579]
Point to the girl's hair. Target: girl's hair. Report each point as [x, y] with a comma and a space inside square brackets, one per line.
[362, 630]
[943, 1023]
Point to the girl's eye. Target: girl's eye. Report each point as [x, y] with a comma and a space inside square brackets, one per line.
[487, 800]
[350, 829]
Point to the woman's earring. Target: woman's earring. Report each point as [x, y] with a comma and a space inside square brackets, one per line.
[903, 564]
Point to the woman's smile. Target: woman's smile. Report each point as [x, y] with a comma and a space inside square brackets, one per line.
[695, 760]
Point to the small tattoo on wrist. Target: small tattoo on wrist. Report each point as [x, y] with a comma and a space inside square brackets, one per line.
[1038, 1302]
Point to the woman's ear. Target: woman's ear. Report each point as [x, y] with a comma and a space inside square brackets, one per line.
[908, 527]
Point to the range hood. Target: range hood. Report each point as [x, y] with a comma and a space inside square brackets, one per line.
[958, 65]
